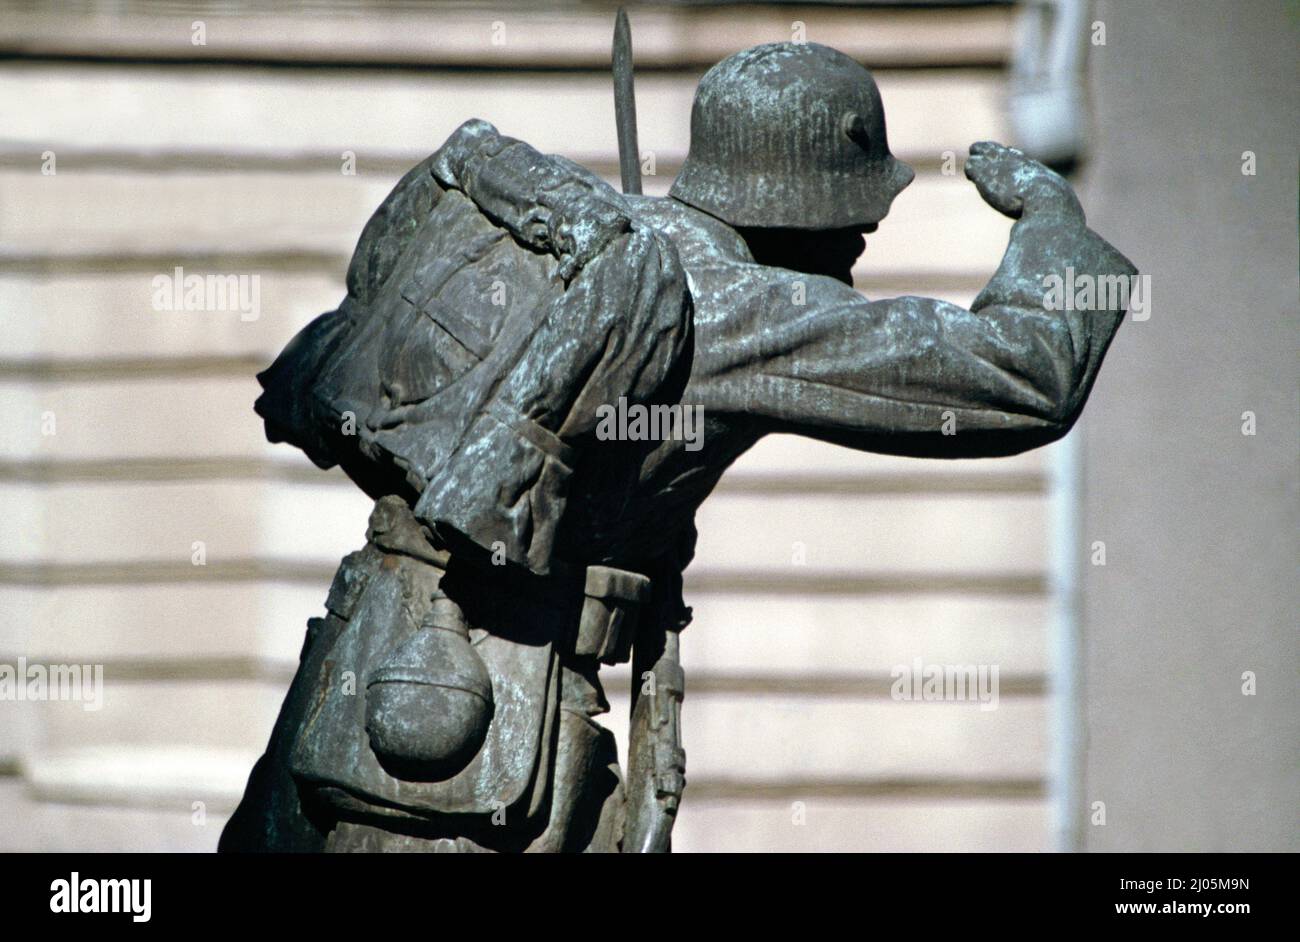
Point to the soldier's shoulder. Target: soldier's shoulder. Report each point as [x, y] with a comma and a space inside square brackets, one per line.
[715, 254]
[700, 239]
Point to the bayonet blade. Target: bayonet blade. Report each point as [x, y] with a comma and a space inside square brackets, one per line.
[629, 156]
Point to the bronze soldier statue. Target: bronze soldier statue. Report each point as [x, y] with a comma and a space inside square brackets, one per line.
[496, 301]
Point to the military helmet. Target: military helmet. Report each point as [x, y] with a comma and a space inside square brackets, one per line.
[790, 135]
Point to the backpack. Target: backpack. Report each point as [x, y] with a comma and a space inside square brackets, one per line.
[489, 312]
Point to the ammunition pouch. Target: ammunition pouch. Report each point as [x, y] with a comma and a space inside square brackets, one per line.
[607, 625]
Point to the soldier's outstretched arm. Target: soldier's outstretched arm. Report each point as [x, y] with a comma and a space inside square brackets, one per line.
[918, 376]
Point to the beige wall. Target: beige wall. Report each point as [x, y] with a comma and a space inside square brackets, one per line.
[1200, 521]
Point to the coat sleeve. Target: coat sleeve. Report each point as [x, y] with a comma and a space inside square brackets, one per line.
[922, 377]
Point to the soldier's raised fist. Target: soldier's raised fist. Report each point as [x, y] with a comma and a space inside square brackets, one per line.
[1014, 184]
